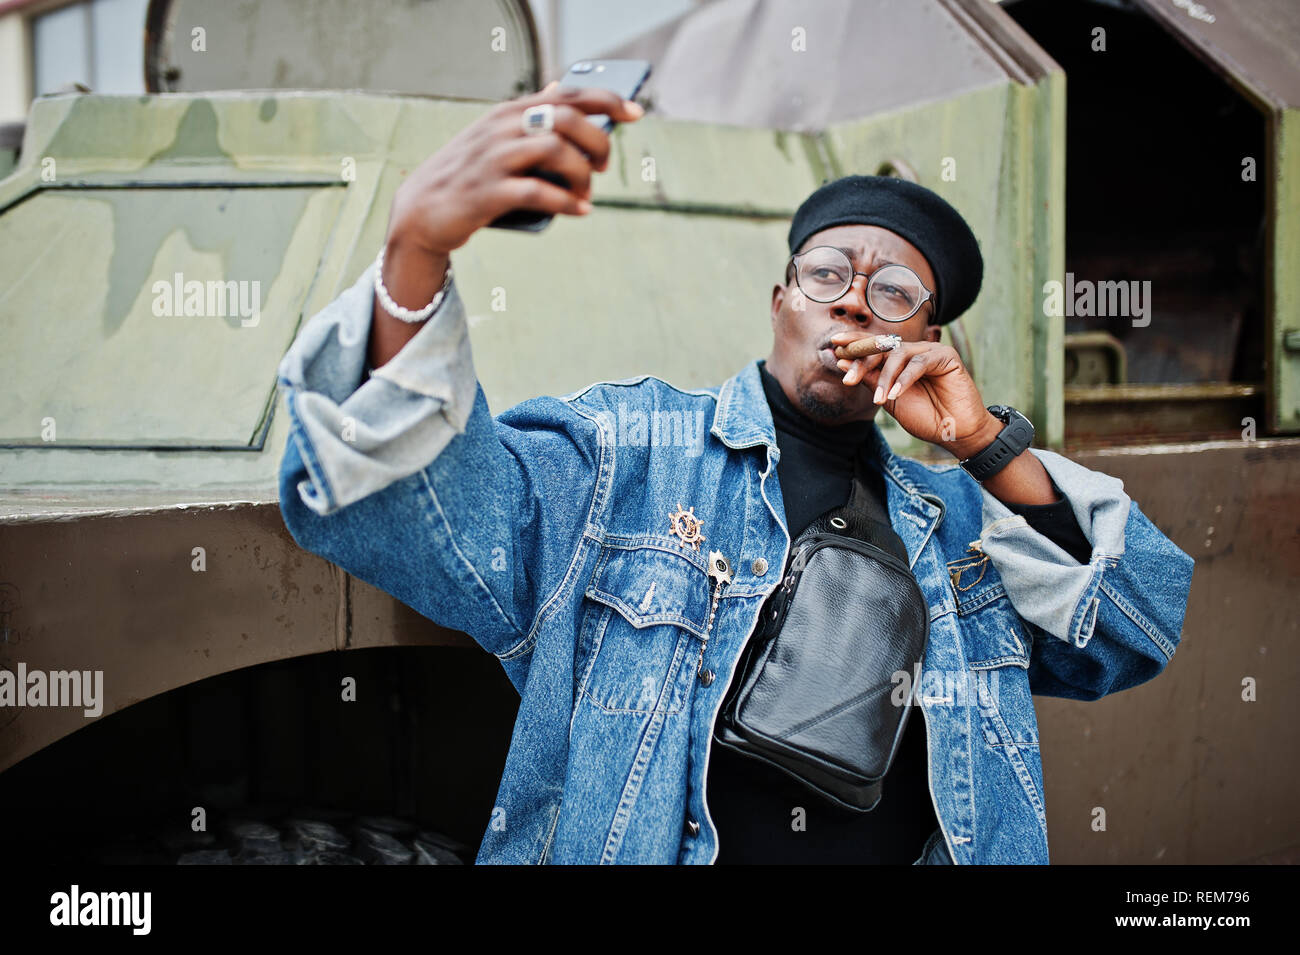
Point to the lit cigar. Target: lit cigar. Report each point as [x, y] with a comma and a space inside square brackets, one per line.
[872, 345]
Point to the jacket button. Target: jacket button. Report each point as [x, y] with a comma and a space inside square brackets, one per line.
[760, 567]
[706, 677]
[692, 827]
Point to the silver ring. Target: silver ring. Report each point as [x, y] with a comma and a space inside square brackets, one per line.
[888, 342]
[537, 120]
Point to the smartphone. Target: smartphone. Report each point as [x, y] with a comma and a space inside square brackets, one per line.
[624, 77]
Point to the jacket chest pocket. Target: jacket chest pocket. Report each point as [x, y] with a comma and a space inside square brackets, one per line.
[649, 606]
[997, 651]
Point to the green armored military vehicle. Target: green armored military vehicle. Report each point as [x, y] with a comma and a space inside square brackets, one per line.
[159, 252]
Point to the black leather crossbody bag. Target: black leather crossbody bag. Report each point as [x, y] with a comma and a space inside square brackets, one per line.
[814, 692]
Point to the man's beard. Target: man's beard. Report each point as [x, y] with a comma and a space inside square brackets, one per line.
[818, 408]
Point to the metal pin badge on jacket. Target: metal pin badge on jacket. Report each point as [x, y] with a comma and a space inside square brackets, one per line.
[686, 526]
[719, 567]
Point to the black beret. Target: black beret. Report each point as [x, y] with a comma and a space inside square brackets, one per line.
[920, 216]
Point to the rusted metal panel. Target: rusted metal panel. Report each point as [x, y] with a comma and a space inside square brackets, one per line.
[1255, 44]
[1185, 768]
[157, 601]
[1119, 414]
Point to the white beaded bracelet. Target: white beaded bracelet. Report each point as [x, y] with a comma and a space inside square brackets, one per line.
[397, 311]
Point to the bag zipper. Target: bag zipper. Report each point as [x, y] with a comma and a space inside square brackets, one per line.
[811, 545]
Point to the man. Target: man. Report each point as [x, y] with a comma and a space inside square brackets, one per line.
[577, 555]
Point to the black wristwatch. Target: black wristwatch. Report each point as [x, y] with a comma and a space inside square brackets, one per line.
[1016, 435]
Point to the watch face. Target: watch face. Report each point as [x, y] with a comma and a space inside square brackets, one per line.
[1017, 434]
[1015, 417]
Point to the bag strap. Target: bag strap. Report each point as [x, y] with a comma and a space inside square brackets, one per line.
[865, 517]
[862, 503]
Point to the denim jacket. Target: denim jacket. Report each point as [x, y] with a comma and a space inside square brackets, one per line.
[545, 534]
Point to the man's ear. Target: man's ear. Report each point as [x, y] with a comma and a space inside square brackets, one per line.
[778, 300]
[933, 332]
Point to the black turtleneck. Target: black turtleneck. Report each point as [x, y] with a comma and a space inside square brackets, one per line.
[816, 465]
[752, 804]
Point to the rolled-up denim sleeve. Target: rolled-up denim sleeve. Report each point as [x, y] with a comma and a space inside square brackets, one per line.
[405, 480]
[1115, 621]
[359, 434]
[1056, 522]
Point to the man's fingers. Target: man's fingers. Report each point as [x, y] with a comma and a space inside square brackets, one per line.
[913, 360]
[572, 109]
[856, 370]
[552, 152]
[588, 99]
[900, 365]
[912, 373]
[583, 133]
[529, 192]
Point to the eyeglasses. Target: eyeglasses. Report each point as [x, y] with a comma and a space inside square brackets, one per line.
[894, 292]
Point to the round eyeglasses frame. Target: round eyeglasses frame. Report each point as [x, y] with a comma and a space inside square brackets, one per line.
[870, 277]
